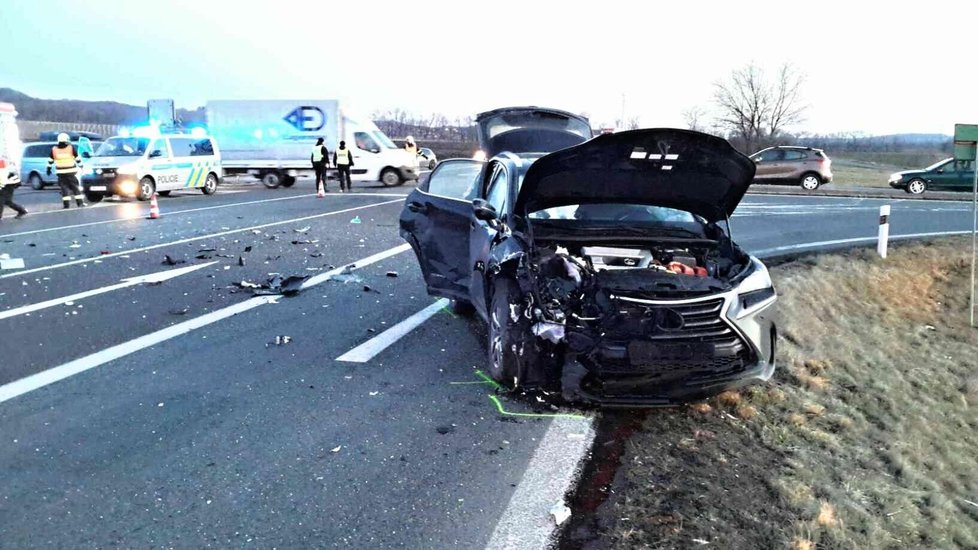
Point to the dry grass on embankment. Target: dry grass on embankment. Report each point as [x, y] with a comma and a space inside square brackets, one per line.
[866, 438]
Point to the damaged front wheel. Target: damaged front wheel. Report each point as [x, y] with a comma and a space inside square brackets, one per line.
[507, 329]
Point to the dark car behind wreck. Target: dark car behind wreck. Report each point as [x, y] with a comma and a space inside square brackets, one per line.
[603, 268]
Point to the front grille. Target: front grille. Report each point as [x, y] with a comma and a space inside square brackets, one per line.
[649, 340]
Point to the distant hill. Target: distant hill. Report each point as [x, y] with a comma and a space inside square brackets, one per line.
[96, 112]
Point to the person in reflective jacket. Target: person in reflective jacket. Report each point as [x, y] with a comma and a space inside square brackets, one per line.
[9, 180]
[320, 162]
[343, 160]
[65, 160]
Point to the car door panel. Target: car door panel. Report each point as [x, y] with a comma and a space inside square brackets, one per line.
[438, 227]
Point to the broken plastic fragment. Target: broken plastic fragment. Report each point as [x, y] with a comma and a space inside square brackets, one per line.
[167, 260]
[282, 340]
[12, 263]
[553, 332]
[356, 219]
[336, 449]
[392, 274]
[302, 229]
[560, 512]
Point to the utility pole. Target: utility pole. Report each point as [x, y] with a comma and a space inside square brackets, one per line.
[622, 119]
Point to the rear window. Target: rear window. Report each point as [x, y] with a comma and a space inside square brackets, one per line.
[38, 151]
[202, 148]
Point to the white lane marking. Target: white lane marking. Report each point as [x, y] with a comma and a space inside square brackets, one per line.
[323, 277]
[131, 281]
[55, 374]
[803, 246]
[192, 239]
[552, 472]
[367, 350]
[52, 375]
[142, 215]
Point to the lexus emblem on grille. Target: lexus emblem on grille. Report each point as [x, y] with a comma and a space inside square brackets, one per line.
[669, 319]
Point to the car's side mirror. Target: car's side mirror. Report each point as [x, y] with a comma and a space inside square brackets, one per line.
[156, 153]
[484, 211]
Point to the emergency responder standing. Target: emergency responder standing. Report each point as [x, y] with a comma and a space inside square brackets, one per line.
[64, 158]
[412, 148]
[320, 162]
[343, 161]
[9, 180]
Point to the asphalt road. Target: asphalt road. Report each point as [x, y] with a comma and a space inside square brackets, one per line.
[166, 415]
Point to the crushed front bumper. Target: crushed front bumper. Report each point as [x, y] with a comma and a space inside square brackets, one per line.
[722, 349]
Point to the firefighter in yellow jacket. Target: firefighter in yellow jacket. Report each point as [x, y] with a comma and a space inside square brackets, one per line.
[65, 160]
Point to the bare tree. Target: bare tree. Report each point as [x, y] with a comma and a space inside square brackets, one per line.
[632, 123]
[787, 107]
[695, 118]
[756, 110]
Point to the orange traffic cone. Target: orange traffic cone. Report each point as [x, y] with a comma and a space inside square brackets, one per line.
[154, 208]
[322, 192]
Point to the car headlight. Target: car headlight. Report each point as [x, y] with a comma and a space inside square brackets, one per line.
[128, 188]
[895, 177]
[754, 293]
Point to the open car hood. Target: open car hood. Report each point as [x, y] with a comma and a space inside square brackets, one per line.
[680, 169]
[523, 130]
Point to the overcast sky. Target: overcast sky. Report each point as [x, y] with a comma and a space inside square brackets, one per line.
[882, 69]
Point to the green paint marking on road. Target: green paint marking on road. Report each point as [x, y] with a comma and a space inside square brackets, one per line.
[488, 380]
[499, 407]
[480, 383]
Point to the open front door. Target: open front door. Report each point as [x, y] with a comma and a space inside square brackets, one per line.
[436, 222]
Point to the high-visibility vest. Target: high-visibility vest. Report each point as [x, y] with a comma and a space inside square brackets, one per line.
[64, 159]
[411, 149]
[342, 156]
[317, 153]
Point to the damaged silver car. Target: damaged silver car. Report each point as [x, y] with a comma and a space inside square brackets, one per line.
[605, 269]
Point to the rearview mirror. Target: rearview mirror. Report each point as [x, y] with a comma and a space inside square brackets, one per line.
[484, 211]
[156, 153]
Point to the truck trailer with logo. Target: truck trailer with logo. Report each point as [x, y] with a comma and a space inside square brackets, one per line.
[273, 140]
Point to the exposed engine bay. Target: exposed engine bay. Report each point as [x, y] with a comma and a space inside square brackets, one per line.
[625, 307]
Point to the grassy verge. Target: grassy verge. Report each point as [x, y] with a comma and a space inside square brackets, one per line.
[874, 169]
[866, 438]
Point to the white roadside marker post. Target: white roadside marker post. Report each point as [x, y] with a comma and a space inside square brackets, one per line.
[884, 234]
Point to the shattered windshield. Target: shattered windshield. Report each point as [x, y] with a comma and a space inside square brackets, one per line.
[123, 147]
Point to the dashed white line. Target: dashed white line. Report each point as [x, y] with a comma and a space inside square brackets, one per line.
[55, 374]
[367, 350]
[142, 214]
[192, 239]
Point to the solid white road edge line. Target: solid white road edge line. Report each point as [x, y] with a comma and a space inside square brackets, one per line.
[192, 239]
[367, 350]
[39, 380]
[803, 246]
[552, 472]
[142, 215]
[131, 281]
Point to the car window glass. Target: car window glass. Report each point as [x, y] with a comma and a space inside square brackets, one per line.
[496, 194]
[794, 155]
[966, 165]
[159, 145]
[201, 148]
[364, 142]
[38, 150]
[773, 155]
[455, 180]
[948, 167]
[181, 147]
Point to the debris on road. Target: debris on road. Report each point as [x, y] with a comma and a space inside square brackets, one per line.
[367, 288]
[179, 311]
[560, 512]
[392, 274]
[246, 284]
[247, 249]
[444, 430]
[280, 341]
[336, 449]
[287, 286]
[302, 229]
[104, 252]
[241, 261]
[356, 219]
[6, 262]
[167, 260]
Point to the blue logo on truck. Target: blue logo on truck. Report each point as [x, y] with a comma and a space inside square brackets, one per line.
[306, 119]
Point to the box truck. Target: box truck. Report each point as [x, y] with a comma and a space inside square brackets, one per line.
[273, 140]
[11, 148]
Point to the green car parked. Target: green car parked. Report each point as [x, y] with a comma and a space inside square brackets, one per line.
[949, 174]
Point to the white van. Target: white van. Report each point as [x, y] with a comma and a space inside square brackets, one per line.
[273, 140]
[138, 166]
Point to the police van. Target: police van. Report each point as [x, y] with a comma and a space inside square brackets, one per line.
[139, 165]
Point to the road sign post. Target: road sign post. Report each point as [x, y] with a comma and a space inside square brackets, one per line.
[966, 149]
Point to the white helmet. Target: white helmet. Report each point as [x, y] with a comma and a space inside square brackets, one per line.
[63, 138]
[410, 139]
